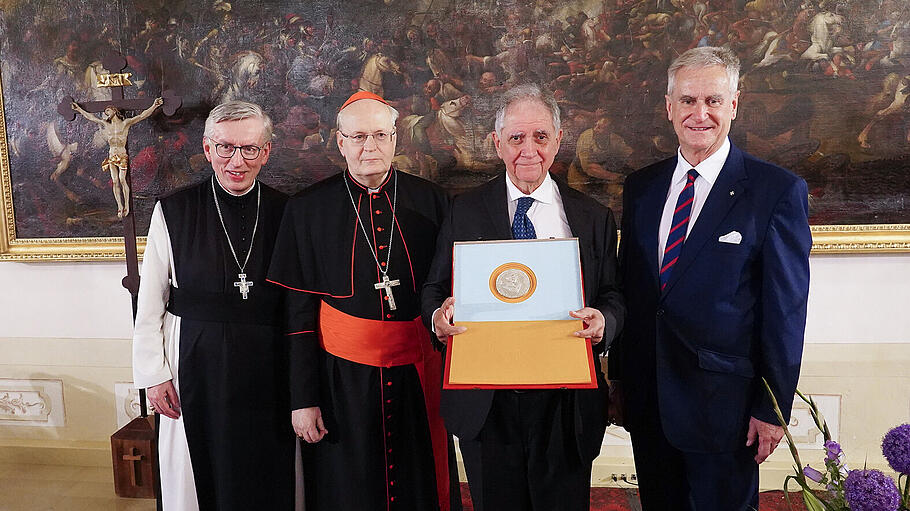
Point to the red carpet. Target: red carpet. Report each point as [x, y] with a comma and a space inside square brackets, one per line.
[621, 499]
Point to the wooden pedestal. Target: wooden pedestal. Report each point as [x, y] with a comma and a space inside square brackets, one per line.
[135, 456]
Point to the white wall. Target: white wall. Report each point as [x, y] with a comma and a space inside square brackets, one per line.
[65, 329]
[64, 300]
[859, 299]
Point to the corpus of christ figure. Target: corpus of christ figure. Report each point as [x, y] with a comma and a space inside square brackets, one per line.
[114, 129]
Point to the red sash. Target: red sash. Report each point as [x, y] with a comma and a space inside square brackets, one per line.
[355, 339]
[387, 344]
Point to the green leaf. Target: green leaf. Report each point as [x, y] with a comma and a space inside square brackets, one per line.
[804, 489]
[787, 491]
[812, 502]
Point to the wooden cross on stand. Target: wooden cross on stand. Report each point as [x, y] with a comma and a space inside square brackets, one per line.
[136, 466]
[115, 134]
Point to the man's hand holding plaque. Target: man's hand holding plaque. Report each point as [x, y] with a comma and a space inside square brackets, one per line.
[593, 323]
[442, 321]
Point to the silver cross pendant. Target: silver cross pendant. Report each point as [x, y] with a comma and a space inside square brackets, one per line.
[386, 285]
[243, 284]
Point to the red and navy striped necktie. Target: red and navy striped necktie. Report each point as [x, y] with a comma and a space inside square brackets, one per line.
[678, 228]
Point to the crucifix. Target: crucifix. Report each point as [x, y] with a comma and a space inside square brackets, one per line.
[136, 472]
[115, 131]
[386, 285]
[113, 126]
[243, 284]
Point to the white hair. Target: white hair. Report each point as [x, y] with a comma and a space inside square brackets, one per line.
[527, 91]
[706, 56]
[235, 111]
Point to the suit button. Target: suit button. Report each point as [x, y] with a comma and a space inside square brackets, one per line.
[660, 312]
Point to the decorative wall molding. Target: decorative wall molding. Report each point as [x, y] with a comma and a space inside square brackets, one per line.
[803, 429]
[31, 403]
[126, 401]
[24, 405]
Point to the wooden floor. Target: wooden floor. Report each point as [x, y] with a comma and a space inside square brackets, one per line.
[62, 488]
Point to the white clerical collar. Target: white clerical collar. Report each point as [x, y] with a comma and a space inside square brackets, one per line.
[708, 169]
[385, 179]
[545, 193]
[241, 194]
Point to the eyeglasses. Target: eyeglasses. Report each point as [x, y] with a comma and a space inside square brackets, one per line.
[248, 152]
[380, 137]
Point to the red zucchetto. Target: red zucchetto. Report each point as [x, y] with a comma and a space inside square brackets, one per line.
[362, 94]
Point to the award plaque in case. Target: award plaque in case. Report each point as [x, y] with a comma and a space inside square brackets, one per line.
[514, 298]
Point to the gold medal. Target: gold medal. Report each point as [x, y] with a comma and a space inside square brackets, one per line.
[513, 282]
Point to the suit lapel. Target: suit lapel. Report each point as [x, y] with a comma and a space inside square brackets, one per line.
[496, 203]
[578, 216]
[726, 191]
[575, 212]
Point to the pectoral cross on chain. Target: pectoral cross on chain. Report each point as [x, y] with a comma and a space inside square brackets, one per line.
[244, 285]
[386, 285]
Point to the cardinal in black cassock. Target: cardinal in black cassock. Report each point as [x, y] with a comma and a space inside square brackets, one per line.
[352, 252]
[208, 343]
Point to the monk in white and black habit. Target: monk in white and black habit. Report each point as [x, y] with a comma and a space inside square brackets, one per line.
[208, 344]
[353, 252]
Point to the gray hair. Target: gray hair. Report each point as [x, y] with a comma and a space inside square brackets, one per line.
[392, 113]
[527, 91]
[706, 56]
[235, 111]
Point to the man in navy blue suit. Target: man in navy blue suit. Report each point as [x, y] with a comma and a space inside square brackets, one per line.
[714, 265]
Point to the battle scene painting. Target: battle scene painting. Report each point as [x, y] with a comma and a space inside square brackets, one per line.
[824, 91]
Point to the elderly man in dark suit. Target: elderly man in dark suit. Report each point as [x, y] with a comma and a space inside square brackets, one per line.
[533, 449]
[714, 264]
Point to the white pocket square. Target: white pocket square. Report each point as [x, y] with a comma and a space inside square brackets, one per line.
[733, 237]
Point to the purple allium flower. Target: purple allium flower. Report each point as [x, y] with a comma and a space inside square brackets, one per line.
[833, 450]
[896, 448]
[871, 490]
[813, 474]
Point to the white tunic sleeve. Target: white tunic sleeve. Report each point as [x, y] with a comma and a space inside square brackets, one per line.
[154, 327]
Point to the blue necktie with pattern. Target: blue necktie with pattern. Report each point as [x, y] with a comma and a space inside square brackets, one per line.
[522, 228]
[678, 227]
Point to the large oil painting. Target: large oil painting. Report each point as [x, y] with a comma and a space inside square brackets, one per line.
[824, 92]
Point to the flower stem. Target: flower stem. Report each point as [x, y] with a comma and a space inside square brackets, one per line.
[800, 477]
[906, 496]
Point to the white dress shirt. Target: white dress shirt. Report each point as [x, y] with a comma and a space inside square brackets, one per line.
[546, 213]
[708, 170]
